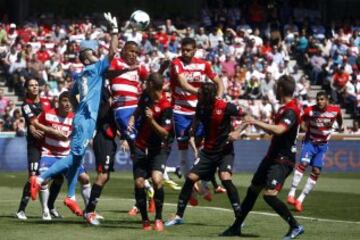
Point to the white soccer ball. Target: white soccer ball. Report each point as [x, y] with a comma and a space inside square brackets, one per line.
[140, 19]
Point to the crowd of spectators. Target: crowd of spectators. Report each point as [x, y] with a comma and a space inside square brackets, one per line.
[249, 46]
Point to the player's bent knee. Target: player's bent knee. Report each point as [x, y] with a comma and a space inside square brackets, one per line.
[102, 178]
[84, 178]
[224, 176]
[270, 192]
[304, 164]
[316, 171]
[193, 177]
[140, 182]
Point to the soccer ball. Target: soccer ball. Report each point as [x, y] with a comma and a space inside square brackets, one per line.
[140, 19]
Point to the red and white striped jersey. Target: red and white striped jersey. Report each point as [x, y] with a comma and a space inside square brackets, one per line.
[51, 146]
[320, 122]
[126, 87]
[196, 72]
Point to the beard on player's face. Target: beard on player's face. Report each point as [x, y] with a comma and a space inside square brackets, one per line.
[130, 54]
[187, 52]
[321, 103]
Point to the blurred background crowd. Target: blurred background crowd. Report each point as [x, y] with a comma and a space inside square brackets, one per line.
[250, 46]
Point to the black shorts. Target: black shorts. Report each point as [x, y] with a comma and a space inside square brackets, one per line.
[33, 157]
[272, 173]
[104, 150]
[205, 167]
[146, 162]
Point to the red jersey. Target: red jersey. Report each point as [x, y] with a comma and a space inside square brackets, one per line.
[162, 112]
[320, 122]
[51, 146]
[125, 87]
[196, 72]
[217, 125]
[284, 145]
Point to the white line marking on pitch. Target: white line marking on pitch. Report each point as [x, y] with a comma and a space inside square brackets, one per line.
[229, 210]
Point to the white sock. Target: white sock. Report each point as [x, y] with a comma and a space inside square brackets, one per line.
[184, 161]
[166, 175]
[147, 184]
[44, 197]
[296, 180]
[170, 169]
[309, 186]
[85, 193]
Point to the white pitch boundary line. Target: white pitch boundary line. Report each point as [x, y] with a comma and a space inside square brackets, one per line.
[229, 210]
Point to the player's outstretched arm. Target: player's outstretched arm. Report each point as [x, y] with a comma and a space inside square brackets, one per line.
[112, 22]
[275, 129]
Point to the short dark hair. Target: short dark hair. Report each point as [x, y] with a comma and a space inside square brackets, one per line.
[26, 84]
[322, 94]
[209, 92]
[287, 84]
[82, 55]
[64, 94]
[156, 80]
[187, 41]
[131, 43]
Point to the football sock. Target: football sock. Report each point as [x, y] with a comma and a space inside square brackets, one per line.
[159, 201]
[25, 197]
[309, 186]
[214, 182]
[281, 209]
[233, 196]
[85, 193]
[140, 197]
[166, 175]
[247, 205]
[298, 174]
[44, 197]
[184, 197]
[94, 197]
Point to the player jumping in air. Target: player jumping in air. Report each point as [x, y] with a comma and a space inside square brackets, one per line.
[278, 162]
[126, 76]
[187, 74]
[88, 85]
[318, 121]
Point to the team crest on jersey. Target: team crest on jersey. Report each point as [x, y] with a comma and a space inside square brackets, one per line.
[157, 109]
[218, 111]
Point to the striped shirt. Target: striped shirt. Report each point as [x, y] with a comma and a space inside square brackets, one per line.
[51, 146]
[196, 72]
[126, 87]
[320, 122]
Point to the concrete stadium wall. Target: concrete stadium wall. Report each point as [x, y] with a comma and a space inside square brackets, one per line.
[343, 156]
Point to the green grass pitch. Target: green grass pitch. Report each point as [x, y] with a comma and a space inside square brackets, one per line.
[332, 211]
